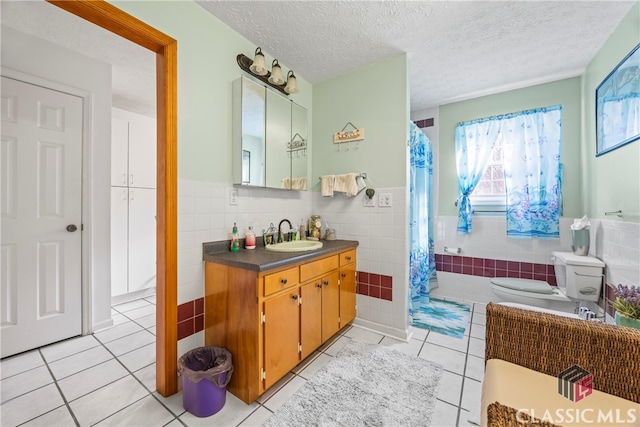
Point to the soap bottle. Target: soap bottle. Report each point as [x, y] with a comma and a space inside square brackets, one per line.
[250, 239]
[302, 232]
[235, 240]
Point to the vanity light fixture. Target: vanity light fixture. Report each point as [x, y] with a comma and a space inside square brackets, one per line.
[276, 74]
[292, 83]
[273, 78]
[258, 66]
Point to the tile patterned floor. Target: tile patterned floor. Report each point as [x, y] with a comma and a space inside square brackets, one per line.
[108, 378]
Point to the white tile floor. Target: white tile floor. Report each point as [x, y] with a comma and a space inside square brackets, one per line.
[108, 378]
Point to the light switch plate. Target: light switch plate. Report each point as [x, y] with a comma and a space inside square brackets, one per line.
[233, 196]
[385, 200]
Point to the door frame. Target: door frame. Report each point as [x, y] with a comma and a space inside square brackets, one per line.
[119, 22]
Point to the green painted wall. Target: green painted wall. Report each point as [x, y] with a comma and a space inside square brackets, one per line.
[611, 181]
[207, 50]
[565, 92]
[374, 98]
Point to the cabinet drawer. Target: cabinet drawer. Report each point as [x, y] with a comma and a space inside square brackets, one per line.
[280, 280]
[318, 268]
[347, 257]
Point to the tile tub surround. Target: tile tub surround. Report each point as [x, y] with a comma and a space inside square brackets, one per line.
[486, 267]
[615, 242]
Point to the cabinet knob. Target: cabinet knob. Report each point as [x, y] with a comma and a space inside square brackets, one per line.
[294, 296]
[326, 283]
[343, 275]
[319, 285]
[284, 281]
[348, 258]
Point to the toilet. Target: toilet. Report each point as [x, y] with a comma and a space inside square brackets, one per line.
[579, 280]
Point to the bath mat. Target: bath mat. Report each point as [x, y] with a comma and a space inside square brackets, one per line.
[365, 385]
[444, 317]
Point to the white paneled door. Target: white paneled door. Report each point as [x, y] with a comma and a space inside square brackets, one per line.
[41, 191]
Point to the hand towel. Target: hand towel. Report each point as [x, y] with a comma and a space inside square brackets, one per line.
[286, 183]
[346, 183]
[299, 183]
[327, 185]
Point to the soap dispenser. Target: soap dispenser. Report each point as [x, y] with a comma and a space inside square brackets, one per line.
[235, 240]
[250, 239]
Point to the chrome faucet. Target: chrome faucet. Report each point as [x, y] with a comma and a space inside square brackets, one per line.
[280, 236]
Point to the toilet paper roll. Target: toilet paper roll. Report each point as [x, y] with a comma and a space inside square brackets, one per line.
[454, 251]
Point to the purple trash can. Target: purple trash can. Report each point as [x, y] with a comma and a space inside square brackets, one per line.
[205, 372]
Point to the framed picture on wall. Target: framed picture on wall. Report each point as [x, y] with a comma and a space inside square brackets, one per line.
[618, 105]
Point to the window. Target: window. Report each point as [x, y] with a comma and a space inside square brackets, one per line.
[491, 188]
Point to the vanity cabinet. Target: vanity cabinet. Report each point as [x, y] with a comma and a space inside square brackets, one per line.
[271, 320]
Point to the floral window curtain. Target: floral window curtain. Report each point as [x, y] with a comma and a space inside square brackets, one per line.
[474, 142]
[533, 172]
[422, 261]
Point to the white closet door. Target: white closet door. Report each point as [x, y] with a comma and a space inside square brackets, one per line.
[142, 239]
[119, 239]
[142, 152]
[41, 216]
[119, 152]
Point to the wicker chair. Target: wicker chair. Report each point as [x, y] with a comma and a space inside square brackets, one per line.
[549, 344]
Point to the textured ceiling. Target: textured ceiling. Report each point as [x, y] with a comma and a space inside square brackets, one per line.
[457, 49]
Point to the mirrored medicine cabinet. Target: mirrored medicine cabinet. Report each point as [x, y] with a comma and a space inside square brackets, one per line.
[269, 138]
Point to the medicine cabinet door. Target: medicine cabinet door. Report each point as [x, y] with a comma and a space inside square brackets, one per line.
[249, 142]
[299, 143]
[278, 164]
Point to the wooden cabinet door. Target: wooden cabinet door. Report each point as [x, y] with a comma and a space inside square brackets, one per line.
[347, 294]
[330, 305]
[310, 317]
[281, 335]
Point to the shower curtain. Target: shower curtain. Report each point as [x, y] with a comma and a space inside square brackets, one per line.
[422, 261]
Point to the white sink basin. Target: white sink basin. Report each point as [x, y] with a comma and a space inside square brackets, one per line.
[295, 246]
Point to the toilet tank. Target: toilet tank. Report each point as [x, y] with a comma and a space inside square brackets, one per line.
[580, 277]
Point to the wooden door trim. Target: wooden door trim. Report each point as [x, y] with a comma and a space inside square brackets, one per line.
[118, 22]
